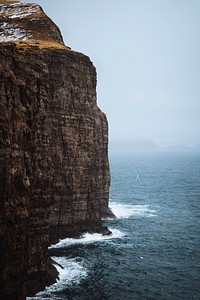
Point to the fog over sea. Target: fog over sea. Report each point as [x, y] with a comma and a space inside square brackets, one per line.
[154, 252]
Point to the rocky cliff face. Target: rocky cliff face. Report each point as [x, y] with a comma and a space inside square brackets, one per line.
[53, 148]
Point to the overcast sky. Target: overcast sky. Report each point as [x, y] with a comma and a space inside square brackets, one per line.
[147, 55]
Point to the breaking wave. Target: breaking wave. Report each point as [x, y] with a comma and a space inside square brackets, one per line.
[127, 210]
[88, 238]
[70, 273]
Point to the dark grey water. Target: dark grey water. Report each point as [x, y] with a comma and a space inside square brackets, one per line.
[154, 252]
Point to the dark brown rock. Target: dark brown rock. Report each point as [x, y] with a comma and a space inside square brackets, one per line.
[53, 148]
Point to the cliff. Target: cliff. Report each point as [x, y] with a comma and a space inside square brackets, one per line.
[53, 148]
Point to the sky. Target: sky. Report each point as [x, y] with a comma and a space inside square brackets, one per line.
[147, 56]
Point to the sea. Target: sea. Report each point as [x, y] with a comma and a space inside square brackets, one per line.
[154, 250]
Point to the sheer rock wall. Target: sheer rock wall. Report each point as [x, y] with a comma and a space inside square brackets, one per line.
[53, 148]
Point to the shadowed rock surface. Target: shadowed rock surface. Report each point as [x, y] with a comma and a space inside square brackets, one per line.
[53, 148]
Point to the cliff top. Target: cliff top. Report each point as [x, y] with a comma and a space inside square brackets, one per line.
[27, 24]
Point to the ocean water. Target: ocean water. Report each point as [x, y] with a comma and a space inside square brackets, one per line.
[154, 252]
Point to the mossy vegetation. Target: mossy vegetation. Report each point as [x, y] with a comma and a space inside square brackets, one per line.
[41, 44]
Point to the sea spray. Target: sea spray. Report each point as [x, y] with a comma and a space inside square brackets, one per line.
[127, 210]
[88, 238]
[71, 272]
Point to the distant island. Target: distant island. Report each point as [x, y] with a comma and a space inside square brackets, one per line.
[132, 144]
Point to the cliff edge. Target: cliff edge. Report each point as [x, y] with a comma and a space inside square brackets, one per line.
[53, 148]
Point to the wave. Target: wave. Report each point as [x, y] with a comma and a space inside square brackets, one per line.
[127, 210]
[88, 238]
[72, 272]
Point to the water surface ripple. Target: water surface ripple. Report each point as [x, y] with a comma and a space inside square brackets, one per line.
[154, 251]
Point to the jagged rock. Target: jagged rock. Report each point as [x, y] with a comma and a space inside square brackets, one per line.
[53, 148]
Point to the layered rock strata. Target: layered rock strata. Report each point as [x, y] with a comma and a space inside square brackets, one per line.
[53, 148]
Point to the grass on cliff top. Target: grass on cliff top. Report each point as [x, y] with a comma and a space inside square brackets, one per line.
[41, 44]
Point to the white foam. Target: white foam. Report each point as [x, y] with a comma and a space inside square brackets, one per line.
[72, 272]
[88, 238]
[126, 210]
